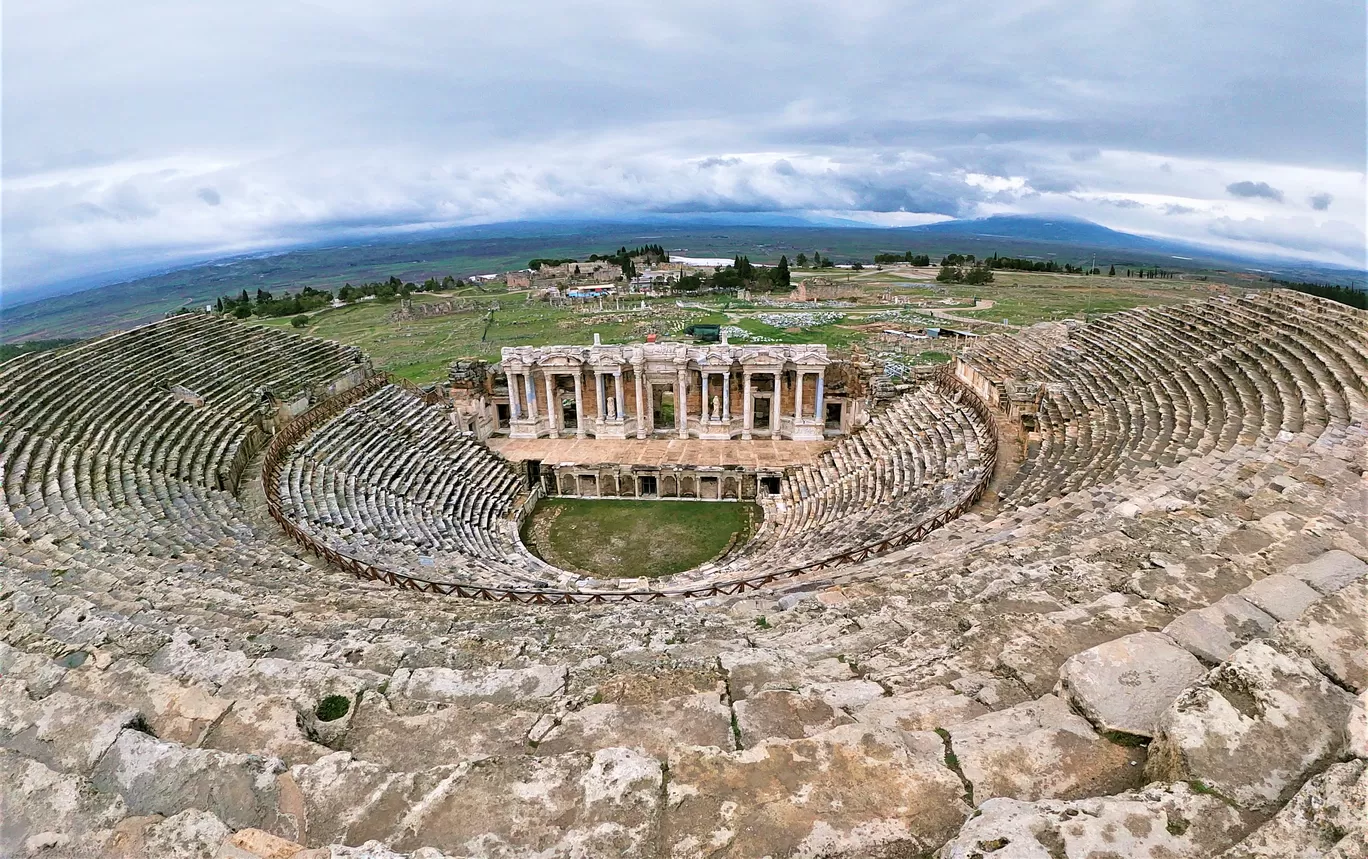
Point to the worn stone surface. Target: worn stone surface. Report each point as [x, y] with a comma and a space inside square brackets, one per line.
[1328, 816]
[1039, 750]
[1214, 632]
[923, 710]
[62, 731]
[1124, 685]
[655, 728]
[503, 686]
[1254, 729]
[851, 791]
[174, 710]
[1283, 597]
[1157, 822]
[1331, 571]
[37, 799]
[165, 778]
[751, 671]
[39, 673]
[190, 834]
[263, 844]
[265, 726]
[1333, 634]
[785, 715]
[448, 734]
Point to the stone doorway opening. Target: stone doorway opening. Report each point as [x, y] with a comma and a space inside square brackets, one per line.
[646, 486]
[833, 416]
[761, 417]
[662, 409]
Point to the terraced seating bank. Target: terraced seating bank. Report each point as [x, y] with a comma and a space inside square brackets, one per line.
[1169, 660]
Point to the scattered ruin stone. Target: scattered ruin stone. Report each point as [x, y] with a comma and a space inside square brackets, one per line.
[1124, 685]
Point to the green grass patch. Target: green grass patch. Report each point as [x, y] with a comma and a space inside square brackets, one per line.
[615, 538]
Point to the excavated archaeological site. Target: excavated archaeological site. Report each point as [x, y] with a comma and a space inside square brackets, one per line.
[1093, 590]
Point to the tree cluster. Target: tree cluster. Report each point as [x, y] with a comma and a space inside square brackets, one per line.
[1343, 294]
[907, 257]
[266, 304]
[964, 270]
[626, 259]
[741, 274]
[536, 264]
[1153, 273]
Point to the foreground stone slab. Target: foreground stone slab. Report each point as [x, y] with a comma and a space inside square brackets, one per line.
[1328, 817]
[1254, 729]
[1042, 750]
[1158, 822]
[165, 778]
[504, 686]
[654, 728]
[1124, 685]
[446, 735]
[781, 714]
[853, 790]
[1283, 597]
[1333, 634]
[62, 731]
[604, 804]
[1214, 632]
[175, 711]
[923, 710]
[36, 799]
[1331, 571]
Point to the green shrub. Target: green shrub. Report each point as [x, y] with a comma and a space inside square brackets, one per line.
[332, 708]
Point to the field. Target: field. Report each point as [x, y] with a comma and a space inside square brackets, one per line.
[501, 247]
[614, 539]
[421, 349]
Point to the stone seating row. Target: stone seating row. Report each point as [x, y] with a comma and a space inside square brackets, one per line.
[168, 717]
[1156, 385]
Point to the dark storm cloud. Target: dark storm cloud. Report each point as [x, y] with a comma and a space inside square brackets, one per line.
[1321, 202]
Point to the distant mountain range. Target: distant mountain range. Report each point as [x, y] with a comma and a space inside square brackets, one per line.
[80, 309]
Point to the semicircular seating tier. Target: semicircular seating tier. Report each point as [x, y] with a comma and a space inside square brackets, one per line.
[1157, 385]
[1060, 673]
[389, 481]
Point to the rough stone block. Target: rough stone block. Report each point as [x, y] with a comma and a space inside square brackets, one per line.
[1333, 634]
[504, 686]
[1254, 729]
[165, 778]
[1283, 597]
[174, 710]
[448, 735]
[923, 710]
[850, 791]
[1041, 749]
[1328, 816]
[782, 714]
[1124, 685]
[35, 799]
[694, 720]
[1215, 632]
[65, 732]
[1158, 822]
[1330, 571]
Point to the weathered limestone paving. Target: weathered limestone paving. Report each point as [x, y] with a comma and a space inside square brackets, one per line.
[1151, 641]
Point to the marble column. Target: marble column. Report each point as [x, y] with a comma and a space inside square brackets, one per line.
[747, 407]
[530, 392]
[703, 399]
[681, 406]
[798, 395]
[726, 395]
[514, 406]
[600, 398]
[579, 404]
[821, 398]
[640, 400]
[553, 418]
[618, 399]
[774, 404]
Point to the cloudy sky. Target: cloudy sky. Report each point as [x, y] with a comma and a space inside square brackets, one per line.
[142, 132]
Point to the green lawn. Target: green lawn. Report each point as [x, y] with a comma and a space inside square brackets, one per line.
[614, 539]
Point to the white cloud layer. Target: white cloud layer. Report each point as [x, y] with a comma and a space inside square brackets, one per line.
[145, 131]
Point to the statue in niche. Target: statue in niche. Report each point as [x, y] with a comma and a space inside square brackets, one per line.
[716, 408]
[610, 409]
